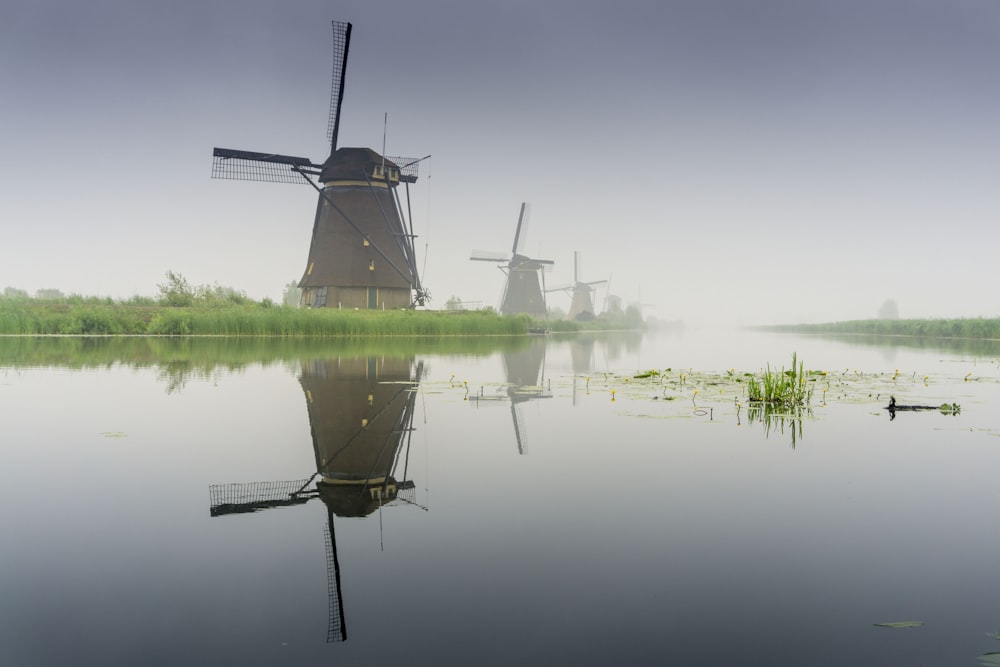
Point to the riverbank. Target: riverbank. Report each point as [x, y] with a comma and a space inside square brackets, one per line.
[973, 328]
[34, 317]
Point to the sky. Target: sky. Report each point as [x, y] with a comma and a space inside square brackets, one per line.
[718, 161]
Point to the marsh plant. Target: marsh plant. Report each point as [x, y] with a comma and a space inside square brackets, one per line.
[784, 388]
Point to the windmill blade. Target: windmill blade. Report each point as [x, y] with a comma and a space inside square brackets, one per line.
[522, 263]
[341, 45]
[520, 435]
[595, 282]
[576, 266]
[521, 233]
[230, 164]
[255, 496]
[336, 629]
[486, 256]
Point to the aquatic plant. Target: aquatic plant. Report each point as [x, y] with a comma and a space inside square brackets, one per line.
[788, 388]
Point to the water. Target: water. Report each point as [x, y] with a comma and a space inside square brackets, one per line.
[527, 518]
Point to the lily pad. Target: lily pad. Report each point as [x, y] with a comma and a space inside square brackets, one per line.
[900, 624]
[114, 434]
[992, 658]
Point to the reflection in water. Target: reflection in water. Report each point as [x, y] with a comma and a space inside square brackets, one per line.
[524, 368]
[776, 419]
[581, 352]
[361, 420]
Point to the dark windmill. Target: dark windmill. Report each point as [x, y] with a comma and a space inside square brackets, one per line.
[582, 304]
[524, 291]
[362, 253]
[361, 420]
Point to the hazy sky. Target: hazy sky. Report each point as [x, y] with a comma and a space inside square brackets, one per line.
[736, 161]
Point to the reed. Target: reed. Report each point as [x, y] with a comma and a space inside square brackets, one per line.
[785, 388]
[91, 318]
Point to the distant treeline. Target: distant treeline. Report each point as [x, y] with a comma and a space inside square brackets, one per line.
[975, 328]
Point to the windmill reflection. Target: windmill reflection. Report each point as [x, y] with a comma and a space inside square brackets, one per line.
[581, 352]
[361, 420]
[524, 369]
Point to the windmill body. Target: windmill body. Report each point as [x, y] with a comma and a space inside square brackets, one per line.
[361, 253]
[582, 303]
[359, 256]
[524, 291]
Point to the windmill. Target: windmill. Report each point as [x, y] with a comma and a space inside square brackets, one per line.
[582, 304]
[614, 305]
[361, 419]
[361, 254]
[523, 292]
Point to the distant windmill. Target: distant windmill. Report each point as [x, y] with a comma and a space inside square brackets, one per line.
[523, 292]
[362, 253]
[582, 304]
[613, 304]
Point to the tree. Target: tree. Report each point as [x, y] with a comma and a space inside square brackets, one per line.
[176, 291]
[889, 310]
[14, 293]
[453, 303]
[49, 295]
[292, 295]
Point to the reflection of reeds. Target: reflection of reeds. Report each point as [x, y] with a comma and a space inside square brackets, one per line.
[777, 419]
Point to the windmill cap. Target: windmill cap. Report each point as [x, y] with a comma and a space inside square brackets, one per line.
[352, 164]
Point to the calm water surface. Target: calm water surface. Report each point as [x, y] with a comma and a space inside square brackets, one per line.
[214, 502]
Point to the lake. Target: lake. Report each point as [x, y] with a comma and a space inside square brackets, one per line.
[496, 501]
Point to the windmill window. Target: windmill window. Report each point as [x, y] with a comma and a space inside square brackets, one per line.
[365, 243]
[371, 265]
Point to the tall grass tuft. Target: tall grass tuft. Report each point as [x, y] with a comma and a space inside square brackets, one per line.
[786, 388]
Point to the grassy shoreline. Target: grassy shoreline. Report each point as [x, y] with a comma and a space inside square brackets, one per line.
[978, 328]
[93, 318]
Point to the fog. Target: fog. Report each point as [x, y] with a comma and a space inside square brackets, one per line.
[722, 162]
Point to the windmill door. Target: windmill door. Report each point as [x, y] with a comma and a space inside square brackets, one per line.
[373, 297]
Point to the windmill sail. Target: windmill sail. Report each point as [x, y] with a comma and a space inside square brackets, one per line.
[341, 46]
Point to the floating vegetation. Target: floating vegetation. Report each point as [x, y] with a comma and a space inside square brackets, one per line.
[991, 658]
[900, 624]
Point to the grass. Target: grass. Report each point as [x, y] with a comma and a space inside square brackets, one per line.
[974, 328]
[91, 317]
[28, 317]
[785, 388]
